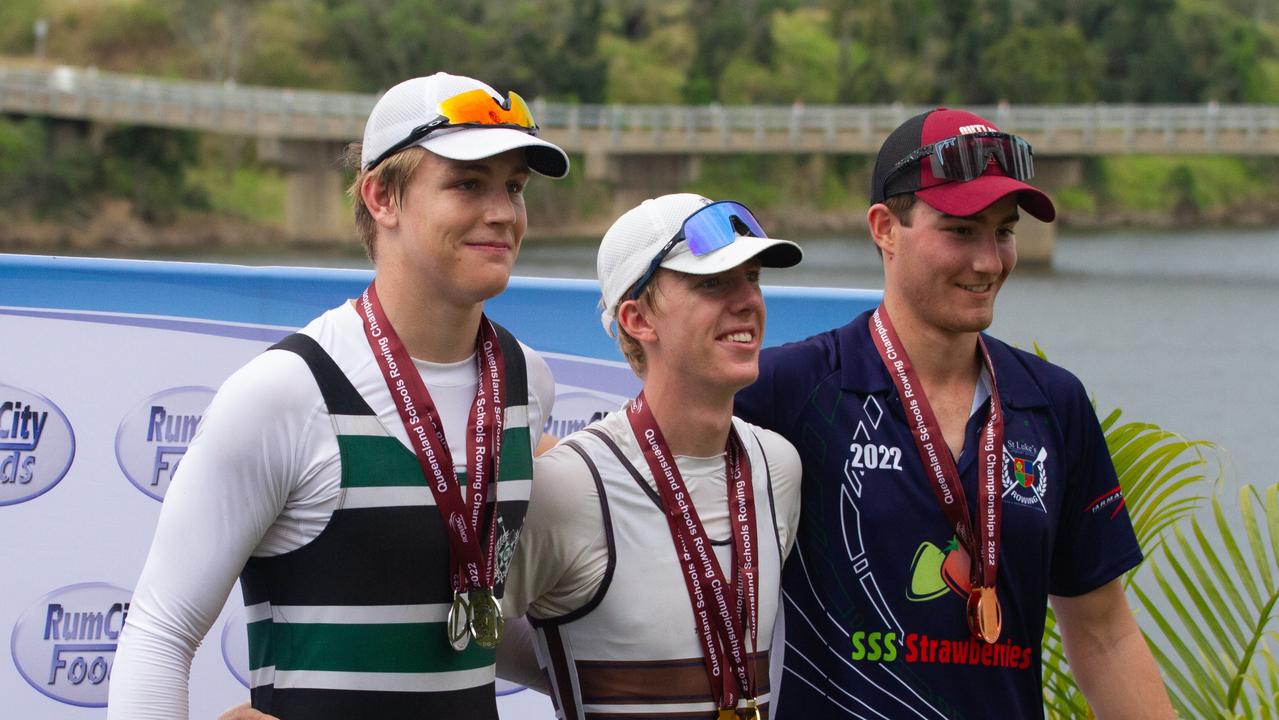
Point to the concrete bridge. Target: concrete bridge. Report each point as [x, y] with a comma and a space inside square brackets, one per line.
[640, 150]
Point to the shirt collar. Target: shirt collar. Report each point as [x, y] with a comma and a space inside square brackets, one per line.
[863, 372]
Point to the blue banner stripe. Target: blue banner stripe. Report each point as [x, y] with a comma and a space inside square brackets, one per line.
[553, 315]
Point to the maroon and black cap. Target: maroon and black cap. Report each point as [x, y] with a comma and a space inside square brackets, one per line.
[953, 197]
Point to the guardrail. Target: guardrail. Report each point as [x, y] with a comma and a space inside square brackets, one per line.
[290, 114]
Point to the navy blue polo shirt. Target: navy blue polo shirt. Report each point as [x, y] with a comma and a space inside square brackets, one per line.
[876, 587]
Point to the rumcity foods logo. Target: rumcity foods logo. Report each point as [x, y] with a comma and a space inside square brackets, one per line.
[64, 644]
[154, 436]
[575, 410]
[36, 445]
[235, 643]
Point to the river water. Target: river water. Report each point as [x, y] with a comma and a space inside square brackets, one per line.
[1178, 328]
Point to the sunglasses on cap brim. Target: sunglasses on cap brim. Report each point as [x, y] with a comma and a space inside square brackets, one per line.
[965, 157]
[473, 108]
[712, 227]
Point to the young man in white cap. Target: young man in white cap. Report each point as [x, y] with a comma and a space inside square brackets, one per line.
[651, 556]
[346, 476]
[953, 485]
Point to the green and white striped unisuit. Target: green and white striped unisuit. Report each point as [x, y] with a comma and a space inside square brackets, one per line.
[352, 623]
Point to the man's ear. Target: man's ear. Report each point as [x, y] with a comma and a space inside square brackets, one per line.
[377, 198]
[883, 226]
[636, 319]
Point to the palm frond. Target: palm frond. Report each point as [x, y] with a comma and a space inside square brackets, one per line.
[1221, 580]
[1161, 474]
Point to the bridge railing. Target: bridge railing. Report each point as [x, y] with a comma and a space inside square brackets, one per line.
[307, 114]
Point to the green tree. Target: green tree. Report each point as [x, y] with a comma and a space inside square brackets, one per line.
[1144, 56]
[805, 57]
[1047, 64]
[41, 178]
[17, 20]
[289, 49]
[1226, 52]
[583, 71]
[718, 28]
[649, 68]
[389, 41]
[148, 166]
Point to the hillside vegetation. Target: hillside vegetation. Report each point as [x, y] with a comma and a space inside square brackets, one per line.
[668, 51]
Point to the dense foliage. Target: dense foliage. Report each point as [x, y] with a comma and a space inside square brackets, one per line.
[959, 52]
[730, 51]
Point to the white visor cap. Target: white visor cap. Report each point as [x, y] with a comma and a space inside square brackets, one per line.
[415, 102]
[630, 245]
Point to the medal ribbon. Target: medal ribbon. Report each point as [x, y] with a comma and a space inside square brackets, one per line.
[937, 460]
[469, 566]
[720, 624]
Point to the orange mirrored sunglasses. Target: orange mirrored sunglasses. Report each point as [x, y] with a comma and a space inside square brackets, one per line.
[473, 108]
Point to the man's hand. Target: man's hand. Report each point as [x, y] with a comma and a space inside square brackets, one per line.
[244, 712]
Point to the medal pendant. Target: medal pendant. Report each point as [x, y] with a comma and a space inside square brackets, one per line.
[458, 621]
[486, 618]
[985, 619]
[727, 714]
[752, 710]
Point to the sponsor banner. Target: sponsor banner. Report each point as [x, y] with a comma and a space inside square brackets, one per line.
[37, 444]
[131, 353]
[235, 641]
[63, 645]
[154, 436]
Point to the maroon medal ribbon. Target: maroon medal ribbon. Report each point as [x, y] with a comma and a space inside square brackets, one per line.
[470, 567]
[981, 542]
[719, 621]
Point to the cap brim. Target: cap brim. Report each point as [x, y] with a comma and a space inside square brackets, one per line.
[543, 157]
[970, 198]
[772, 252]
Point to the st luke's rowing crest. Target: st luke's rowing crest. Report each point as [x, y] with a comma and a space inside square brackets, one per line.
[1025, 474]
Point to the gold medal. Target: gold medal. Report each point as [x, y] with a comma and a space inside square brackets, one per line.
[486, 618]
[458, 621]
[752, 709]
[727, 714]
[985, 619]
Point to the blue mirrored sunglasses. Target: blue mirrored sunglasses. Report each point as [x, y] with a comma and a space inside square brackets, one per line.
[712, 227]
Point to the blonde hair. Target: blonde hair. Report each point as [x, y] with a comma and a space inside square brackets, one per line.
[394, 173]
[631, 348]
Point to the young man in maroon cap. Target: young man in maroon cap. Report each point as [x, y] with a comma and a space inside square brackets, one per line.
[953, 485]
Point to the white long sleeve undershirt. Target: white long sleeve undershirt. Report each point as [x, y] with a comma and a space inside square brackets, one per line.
[262, 477]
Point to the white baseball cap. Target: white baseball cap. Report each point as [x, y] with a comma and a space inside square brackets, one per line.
[635, 239]
[415, 103]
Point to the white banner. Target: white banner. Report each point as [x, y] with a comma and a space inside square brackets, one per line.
[105, 370]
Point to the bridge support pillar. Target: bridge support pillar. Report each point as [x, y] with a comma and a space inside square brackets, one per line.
[600, 166]
[315, 209]
[636, 178]
[1036, 240]
[70, 137]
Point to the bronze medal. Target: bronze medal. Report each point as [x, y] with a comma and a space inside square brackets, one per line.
[985, 618]
[486, 618]
[458, 620]
[727, 714]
